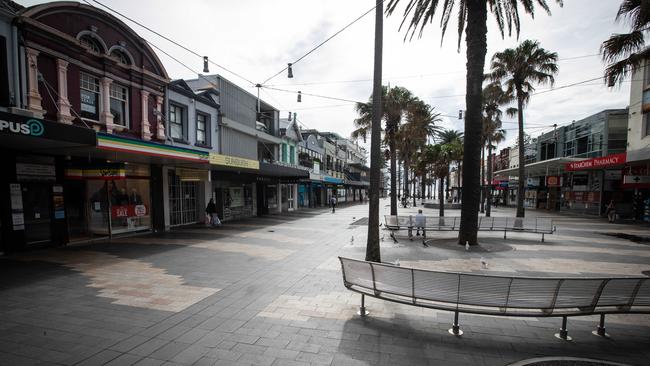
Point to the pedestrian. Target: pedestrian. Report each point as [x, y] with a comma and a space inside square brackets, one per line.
[420, 223]
[211, 217]
[333, 203]
[611, 211]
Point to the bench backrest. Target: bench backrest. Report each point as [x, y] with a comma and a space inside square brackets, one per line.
[499, 293]
[534, 224]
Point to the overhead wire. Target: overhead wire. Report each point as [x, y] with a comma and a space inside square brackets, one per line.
[321, 44]
[169, 40]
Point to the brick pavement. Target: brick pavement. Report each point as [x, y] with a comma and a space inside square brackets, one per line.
[268, 291]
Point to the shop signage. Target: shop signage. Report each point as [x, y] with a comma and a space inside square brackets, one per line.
[636, 179]
[192, 175]
[532, 182]
[596, 163]
[17, 217]
[31, 127]
[17, 125]
[553, 181]
[32, 172]
[232, 161]
[584, 197]
[613, 174]
[123, 211]
[107, 172]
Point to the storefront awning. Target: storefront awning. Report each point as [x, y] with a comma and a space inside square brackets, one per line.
[43, 136]
[539, 168]
[148, 148]
[328, 179]
[282, 171]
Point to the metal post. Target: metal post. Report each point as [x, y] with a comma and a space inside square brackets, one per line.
[362, 309]
[564, 333]
[600, 330]
[455, 328]
[542, 237]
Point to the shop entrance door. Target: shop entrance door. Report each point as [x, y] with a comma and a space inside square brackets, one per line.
[183, 206]
[36, 207]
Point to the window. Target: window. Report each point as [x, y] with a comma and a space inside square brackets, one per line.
[292, 153]
[202, 135]
[176, 122]
[121, 57]
[90, 43]
[119, 105]
[646, 125]
[89, 88]
[284, 153]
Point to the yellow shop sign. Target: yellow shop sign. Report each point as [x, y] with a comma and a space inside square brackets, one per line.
[233, 161]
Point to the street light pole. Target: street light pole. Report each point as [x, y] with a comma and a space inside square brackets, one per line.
[372, 246]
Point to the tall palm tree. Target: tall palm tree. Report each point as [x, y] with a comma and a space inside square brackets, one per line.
[394, 105]
[497, 135]
[454, 138]
[518, 69]
[472, 20]
[625, 52]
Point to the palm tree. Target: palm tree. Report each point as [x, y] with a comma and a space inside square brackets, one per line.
[625, 52]
[518, 69]
[493, 98]
[472, 20]
[394, 105]
[455, 138]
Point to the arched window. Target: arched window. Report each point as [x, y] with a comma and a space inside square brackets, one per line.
[91, 43]
[121, 56]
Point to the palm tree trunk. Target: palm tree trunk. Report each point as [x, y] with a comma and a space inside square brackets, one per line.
[393, 172]
[441, 198]
[482, 179]
[423, 188]
[476, 40]
[372, 244]
[488, 209]
[406, 179]
[399, 179]
[414, 182]
[522, 157]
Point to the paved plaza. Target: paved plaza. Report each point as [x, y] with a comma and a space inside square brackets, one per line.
[268, 291]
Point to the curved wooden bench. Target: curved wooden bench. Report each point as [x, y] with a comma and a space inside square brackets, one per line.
[498, 295]
[536, 225]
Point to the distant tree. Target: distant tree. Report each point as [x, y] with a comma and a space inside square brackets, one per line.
[518, 69]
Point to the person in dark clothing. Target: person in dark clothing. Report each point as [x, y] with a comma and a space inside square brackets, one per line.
[211, 213]
[333, 203]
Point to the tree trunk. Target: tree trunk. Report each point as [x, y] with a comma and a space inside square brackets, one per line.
[482, 179]
[372, 245]
[460, 180]
[488, 209]
[522, 158]
[414, 182]
[423, 188]
[393, 172]
[441, 198]
[406, 179]
[399, 179]
[476, 39]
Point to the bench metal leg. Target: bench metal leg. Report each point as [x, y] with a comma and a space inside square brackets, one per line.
[564, 333]
[392, 235]
[600, 330]
[362, 309]
[542, 237]
[504, 234]
[455, 328]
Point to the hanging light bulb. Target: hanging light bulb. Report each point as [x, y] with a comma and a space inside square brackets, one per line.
[289, 118]
[299, 96]
[205, 64]
[289, 71]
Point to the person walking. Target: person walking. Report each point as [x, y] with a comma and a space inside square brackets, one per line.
[333, 203]
[211, 214]
[611, 211]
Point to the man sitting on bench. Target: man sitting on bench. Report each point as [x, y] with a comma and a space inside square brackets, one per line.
[420, 224]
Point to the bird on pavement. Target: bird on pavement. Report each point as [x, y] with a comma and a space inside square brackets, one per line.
[484, 263]
[467, 247]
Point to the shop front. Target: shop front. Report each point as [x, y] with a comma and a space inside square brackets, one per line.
[593, 183]
[235, 187]
[188, 192]
[334, 188]
[34, 154]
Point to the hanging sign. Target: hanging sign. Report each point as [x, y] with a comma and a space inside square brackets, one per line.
[553, 181]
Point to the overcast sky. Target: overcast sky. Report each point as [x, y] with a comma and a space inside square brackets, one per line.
[257, 38]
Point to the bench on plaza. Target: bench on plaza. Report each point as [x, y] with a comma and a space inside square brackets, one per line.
[535, 225]
[498, 295]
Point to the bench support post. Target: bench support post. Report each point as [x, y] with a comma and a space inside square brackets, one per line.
[504, 234]
[455, 328]
[362, 309]
[542, 237]
[564, 333]
[600, 330]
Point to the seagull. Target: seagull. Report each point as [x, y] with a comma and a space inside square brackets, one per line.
[467, 247]
[484, 263]
[396, 262]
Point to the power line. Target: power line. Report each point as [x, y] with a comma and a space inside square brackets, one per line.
[170, 40]
[313, 95]
[322, 43]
